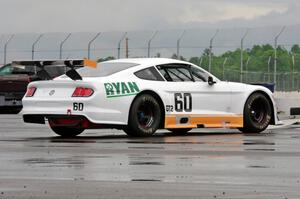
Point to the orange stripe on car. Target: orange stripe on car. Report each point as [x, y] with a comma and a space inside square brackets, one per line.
[208, 121]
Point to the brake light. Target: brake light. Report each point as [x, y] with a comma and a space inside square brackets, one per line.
[30, 91]
[82, 92]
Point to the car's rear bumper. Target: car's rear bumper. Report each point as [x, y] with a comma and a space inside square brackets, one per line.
[77, 121]
[94, 112]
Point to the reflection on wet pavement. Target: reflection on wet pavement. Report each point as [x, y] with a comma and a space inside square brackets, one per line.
[222, 157]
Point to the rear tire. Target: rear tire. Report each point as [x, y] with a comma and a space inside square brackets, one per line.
[66, 132]
[257, 114]
[144, 116]
[180, 131]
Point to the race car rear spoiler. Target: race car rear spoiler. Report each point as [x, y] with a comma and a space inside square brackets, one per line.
[70, 63]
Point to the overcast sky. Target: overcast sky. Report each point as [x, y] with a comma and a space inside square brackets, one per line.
[36, 16]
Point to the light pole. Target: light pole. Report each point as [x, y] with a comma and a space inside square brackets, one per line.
[223, 68]
[62, 43]
[1, 39]
[210, 49]
[150, 40]
[178, 43]
[5, 47]
[200, 61]
[119, 44]
[242, 54]
[269, 62]
[275, 53]
[33, 45]
[247, 62]
[293, 70]
[90, 42]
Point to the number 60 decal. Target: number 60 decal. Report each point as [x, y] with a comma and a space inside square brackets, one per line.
[183, 102]
[77, 106]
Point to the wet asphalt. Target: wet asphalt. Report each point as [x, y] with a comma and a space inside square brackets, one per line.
[206, 163]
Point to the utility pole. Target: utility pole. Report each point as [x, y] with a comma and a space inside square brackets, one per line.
[150, 40]
[5, 47]
[33, 45]
[275, 54]
[90, 42]
[210, 49]
[62, 43]
[242, 55]
[127, 50]
[178, 44]
[119, 44]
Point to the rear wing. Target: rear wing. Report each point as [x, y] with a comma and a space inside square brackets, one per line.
[72, 64]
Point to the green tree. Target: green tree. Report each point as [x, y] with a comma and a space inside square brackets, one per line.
[295, 49]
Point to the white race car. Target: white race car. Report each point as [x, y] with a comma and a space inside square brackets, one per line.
[142, 95]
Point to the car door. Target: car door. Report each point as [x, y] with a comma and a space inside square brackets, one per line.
[191, 95]
[188, 84]
[211, 99]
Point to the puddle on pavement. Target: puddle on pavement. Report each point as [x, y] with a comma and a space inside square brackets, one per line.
[145, 163]
[145, 180]
[257, 142]
[258, 167]
[55, 162]
[260, 150]
[136, 147]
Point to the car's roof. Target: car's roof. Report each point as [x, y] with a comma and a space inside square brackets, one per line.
[148, 61]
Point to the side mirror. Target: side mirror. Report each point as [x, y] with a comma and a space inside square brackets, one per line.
[211, 81]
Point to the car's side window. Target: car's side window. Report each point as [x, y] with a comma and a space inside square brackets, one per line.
[149, 74]
[176, 72]
[198, 74]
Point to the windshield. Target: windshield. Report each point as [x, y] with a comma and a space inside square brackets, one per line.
[104, 69]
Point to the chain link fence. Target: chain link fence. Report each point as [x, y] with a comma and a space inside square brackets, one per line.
[203, 44]
[286, 81]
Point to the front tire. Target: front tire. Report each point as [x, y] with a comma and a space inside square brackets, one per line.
[257, 114]
[66, 132]
[144, 116]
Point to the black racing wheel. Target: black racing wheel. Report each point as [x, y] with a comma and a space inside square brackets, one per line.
[257, 114]
[144, 116]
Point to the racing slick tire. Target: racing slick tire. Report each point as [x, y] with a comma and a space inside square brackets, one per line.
[183, 131]
[144, 116]
[257, 114]
[66, 132]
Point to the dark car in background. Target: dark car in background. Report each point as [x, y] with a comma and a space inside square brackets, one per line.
[14, 79]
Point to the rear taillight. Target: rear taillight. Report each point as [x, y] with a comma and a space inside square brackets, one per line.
[30, 91]
[82, 92]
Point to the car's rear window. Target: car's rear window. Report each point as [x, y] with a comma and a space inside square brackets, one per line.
[16, 69]
[105, 69]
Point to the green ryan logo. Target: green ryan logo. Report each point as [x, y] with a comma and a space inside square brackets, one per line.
[120, 89]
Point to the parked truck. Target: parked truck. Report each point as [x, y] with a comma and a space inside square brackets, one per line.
[15, 77]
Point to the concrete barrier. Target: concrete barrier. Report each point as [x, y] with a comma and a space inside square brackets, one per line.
[285, 101]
